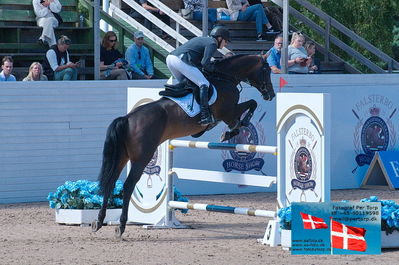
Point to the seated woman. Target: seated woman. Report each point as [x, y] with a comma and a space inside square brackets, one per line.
[196, 6]
[313, 65]
[35, 73]
[298, 59]
[110, 67]
[240, 10]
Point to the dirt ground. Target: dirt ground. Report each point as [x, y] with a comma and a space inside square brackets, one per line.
[29, 235]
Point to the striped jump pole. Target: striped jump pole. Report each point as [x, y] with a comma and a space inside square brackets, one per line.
[221, 209]
[225, 146]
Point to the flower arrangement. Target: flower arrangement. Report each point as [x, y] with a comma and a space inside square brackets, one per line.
[389, 215]
[83, 194]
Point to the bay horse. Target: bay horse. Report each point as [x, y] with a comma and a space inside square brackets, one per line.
[136, 136]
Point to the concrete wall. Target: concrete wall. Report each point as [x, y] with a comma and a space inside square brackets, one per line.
[51, 132]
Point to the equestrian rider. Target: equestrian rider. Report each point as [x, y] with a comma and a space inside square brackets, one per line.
[187, 60]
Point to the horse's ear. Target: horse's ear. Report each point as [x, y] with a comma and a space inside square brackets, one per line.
[264, 55]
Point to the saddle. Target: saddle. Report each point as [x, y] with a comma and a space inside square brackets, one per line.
[184, 88]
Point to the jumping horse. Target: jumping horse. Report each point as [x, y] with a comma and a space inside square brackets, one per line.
[136, 136]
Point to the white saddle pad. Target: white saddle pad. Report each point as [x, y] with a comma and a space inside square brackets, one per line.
[186, 102]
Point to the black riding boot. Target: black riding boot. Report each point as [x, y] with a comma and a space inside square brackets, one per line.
[206, 115]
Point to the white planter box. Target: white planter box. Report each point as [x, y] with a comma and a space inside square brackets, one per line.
[390, 241]
[387, 241]
[76, 216]
[286, 239]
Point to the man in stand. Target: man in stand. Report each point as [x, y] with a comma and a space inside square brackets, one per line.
[274, 55]
[139, 58]
[6, 66]
[58, 59]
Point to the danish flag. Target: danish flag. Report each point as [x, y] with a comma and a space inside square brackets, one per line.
[313, 222]
[347, 237]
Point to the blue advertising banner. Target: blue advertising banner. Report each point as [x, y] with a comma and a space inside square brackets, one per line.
[336, 228]
[390, 161]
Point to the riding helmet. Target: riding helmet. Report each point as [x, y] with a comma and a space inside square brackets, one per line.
[220, 31]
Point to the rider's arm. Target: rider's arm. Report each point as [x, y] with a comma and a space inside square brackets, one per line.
[210, 49]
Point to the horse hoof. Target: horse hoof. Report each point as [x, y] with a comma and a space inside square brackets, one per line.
[225, 137]
[118, 232]
[95, 226]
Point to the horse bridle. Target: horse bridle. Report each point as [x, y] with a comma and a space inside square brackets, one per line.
[266, 93]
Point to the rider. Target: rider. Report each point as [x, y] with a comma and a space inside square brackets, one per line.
[187, 60]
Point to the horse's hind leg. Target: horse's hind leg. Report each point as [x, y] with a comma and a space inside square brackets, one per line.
[96, 225]
[235, 123]
[137, 168]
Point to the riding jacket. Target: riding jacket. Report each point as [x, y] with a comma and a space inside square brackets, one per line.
[197, 52]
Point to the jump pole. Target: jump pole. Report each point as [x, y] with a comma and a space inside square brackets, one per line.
[170, 220]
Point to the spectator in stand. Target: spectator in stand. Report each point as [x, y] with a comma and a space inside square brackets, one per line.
[45, 19]
[35, 73]
[158, 13]
[240, 10]
[196, 6]
[58, 59]
[139, 58]
[310, 47]
[6, 66]
[111, 65]
[274, 55]
[297, 55]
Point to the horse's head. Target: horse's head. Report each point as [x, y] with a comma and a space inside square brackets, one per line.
[250, 68]
[259, 77]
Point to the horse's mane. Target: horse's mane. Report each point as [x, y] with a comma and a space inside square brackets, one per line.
[227, 60]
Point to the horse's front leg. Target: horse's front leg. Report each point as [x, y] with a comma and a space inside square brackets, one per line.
[234, 121]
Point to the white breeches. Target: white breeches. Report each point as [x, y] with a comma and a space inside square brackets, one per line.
[180, 70]
[48, 24]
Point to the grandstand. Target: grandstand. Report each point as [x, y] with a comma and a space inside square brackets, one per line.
[19, 32]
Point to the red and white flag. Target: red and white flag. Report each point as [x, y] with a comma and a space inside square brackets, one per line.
[347, 237]
[313, 222]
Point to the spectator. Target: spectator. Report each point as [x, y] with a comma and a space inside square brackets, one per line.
[273, 13]
[6, 66]
[111, 67]
[158, 13]
[58, 59]
[196, 6]
[187, 60]
[240, 10]
[35, 73]
[139, 58]
[274, 55]
[297, 55]
[45, 19]
[310, 47]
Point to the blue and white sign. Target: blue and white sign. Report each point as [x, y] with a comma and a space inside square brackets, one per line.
[383, 170]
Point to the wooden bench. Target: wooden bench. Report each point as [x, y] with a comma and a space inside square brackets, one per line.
[19, 33]
[21, 12]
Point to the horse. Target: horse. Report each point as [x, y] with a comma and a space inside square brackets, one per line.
[136, 136]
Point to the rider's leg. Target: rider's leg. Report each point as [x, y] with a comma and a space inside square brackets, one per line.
[179, 69]
[173, 63]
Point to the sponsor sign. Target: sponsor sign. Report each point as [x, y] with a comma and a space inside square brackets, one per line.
[336, 228]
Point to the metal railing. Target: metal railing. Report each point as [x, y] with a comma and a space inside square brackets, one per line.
[329, 39]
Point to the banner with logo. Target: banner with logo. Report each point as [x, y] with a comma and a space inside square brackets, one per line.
[336, 228]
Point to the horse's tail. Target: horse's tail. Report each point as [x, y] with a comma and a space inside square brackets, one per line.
[113, 148]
